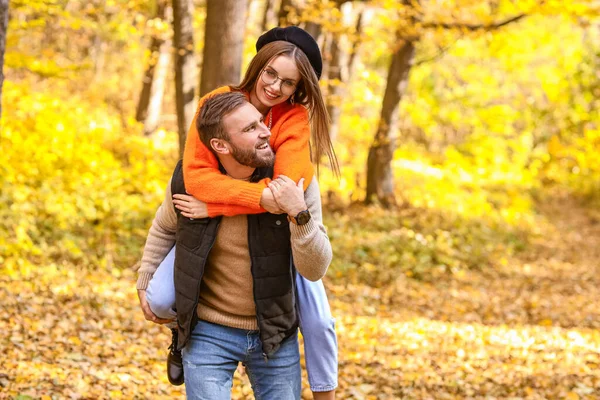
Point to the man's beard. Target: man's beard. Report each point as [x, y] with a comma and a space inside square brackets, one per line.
[251, 158]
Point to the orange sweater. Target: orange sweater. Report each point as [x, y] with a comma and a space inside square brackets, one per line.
[290, 134]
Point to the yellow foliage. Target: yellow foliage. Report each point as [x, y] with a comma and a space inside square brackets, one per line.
[76, 185]
[434, 299]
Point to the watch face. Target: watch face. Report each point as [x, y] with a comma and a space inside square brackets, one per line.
[303, 217]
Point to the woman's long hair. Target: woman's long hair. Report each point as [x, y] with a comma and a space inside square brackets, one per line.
[308, 93]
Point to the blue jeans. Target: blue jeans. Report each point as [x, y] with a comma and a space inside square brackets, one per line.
[316, 323]
[212, 356]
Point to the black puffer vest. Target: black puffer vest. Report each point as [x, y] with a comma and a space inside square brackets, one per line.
[272, 268]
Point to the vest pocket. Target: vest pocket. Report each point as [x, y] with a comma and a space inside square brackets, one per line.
[191, 232]
[275, 234]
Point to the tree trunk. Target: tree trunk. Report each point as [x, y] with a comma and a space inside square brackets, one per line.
[100, 45]
[336, 83]
[269, 15]
[339, 75]
[223, 43]
[99, 56]
[161, 71]
[3, 30]
[158, 88]
[144, 100]
[316, 31]
[185, 67]
[284, 11]
[355, 44]
[155, 45]
[380, 179]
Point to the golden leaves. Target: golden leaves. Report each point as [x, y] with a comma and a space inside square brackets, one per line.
[478, 323]
[78, 332]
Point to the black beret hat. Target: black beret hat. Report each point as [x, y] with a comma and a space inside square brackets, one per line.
[300, 38]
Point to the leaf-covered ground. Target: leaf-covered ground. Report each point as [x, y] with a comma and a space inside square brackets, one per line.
[528, 329]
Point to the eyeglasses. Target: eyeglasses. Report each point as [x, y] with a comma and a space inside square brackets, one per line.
[270, 77]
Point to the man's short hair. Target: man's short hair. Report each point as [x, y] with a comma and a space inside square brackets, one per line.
[210, 119]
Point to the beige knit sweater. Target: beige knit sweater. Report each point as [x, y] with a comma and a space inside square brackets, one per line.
[226, 297]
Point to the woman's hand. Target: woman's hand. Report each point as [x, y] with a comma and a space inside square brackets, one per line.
[190, 206]
[267, 201]
[288, 195]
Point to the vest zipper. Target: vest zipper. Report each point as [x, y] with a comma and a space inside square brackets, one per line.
[265, 356]
[195, 315]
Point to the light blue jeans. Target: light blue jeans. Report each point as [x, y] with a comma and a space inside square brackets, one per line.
[316, 323]
[212, 356]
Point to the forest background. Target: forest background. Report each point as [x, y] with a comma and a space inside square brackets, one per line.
[465, 222]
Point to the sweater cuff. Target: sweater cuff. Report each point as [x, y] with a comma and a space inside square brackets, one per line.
[143, 280]
[251, 196]
[302, 231]
[249, 199]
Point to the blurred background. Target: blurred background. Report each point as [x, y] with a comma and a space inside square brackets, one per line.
[465, 223]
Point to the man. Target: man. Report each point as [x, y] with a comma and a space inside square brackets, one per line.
[234, 276]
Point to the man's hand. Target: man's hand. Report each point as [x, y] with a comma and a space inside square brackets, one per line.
[190, 206]
[288, 194]
[148, 314]
[267, 201]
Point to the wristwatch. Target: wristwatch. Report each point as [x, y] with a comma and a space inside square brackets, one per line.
[301, 219]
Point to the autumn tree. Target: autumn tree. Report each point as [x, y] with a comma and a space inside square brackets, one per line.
[268, 15]
[286, 8]
[3, 29]
[341, 52]
[414, 22]
[153, 85]
[338, 41]
[379, 169]
[223, 43]
[185, 67]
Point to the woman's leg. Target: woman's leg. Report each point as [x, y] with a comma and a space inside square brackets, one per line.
[160, 292]
[320, 340]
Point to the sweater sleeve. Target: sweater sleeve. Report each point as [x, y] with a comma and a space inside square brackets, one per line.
[160, 241]
[292, 147]
[204, 181]
[228, 196]
[311, 248]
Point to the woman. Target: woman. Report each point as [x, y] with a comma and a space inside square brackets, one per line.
[282, 83]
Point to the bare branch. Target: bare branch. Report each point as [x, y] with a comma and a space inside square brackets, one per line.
[473, 27]
[442, 50]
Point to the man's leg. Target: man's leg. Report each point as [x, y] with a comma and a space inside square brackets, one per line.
[279, 377]
[160, 295]
[320, 341]
[210, 359]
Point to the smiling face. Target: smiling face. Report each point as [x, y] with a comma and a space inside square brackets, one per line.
[248, 137]
[264, 96]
